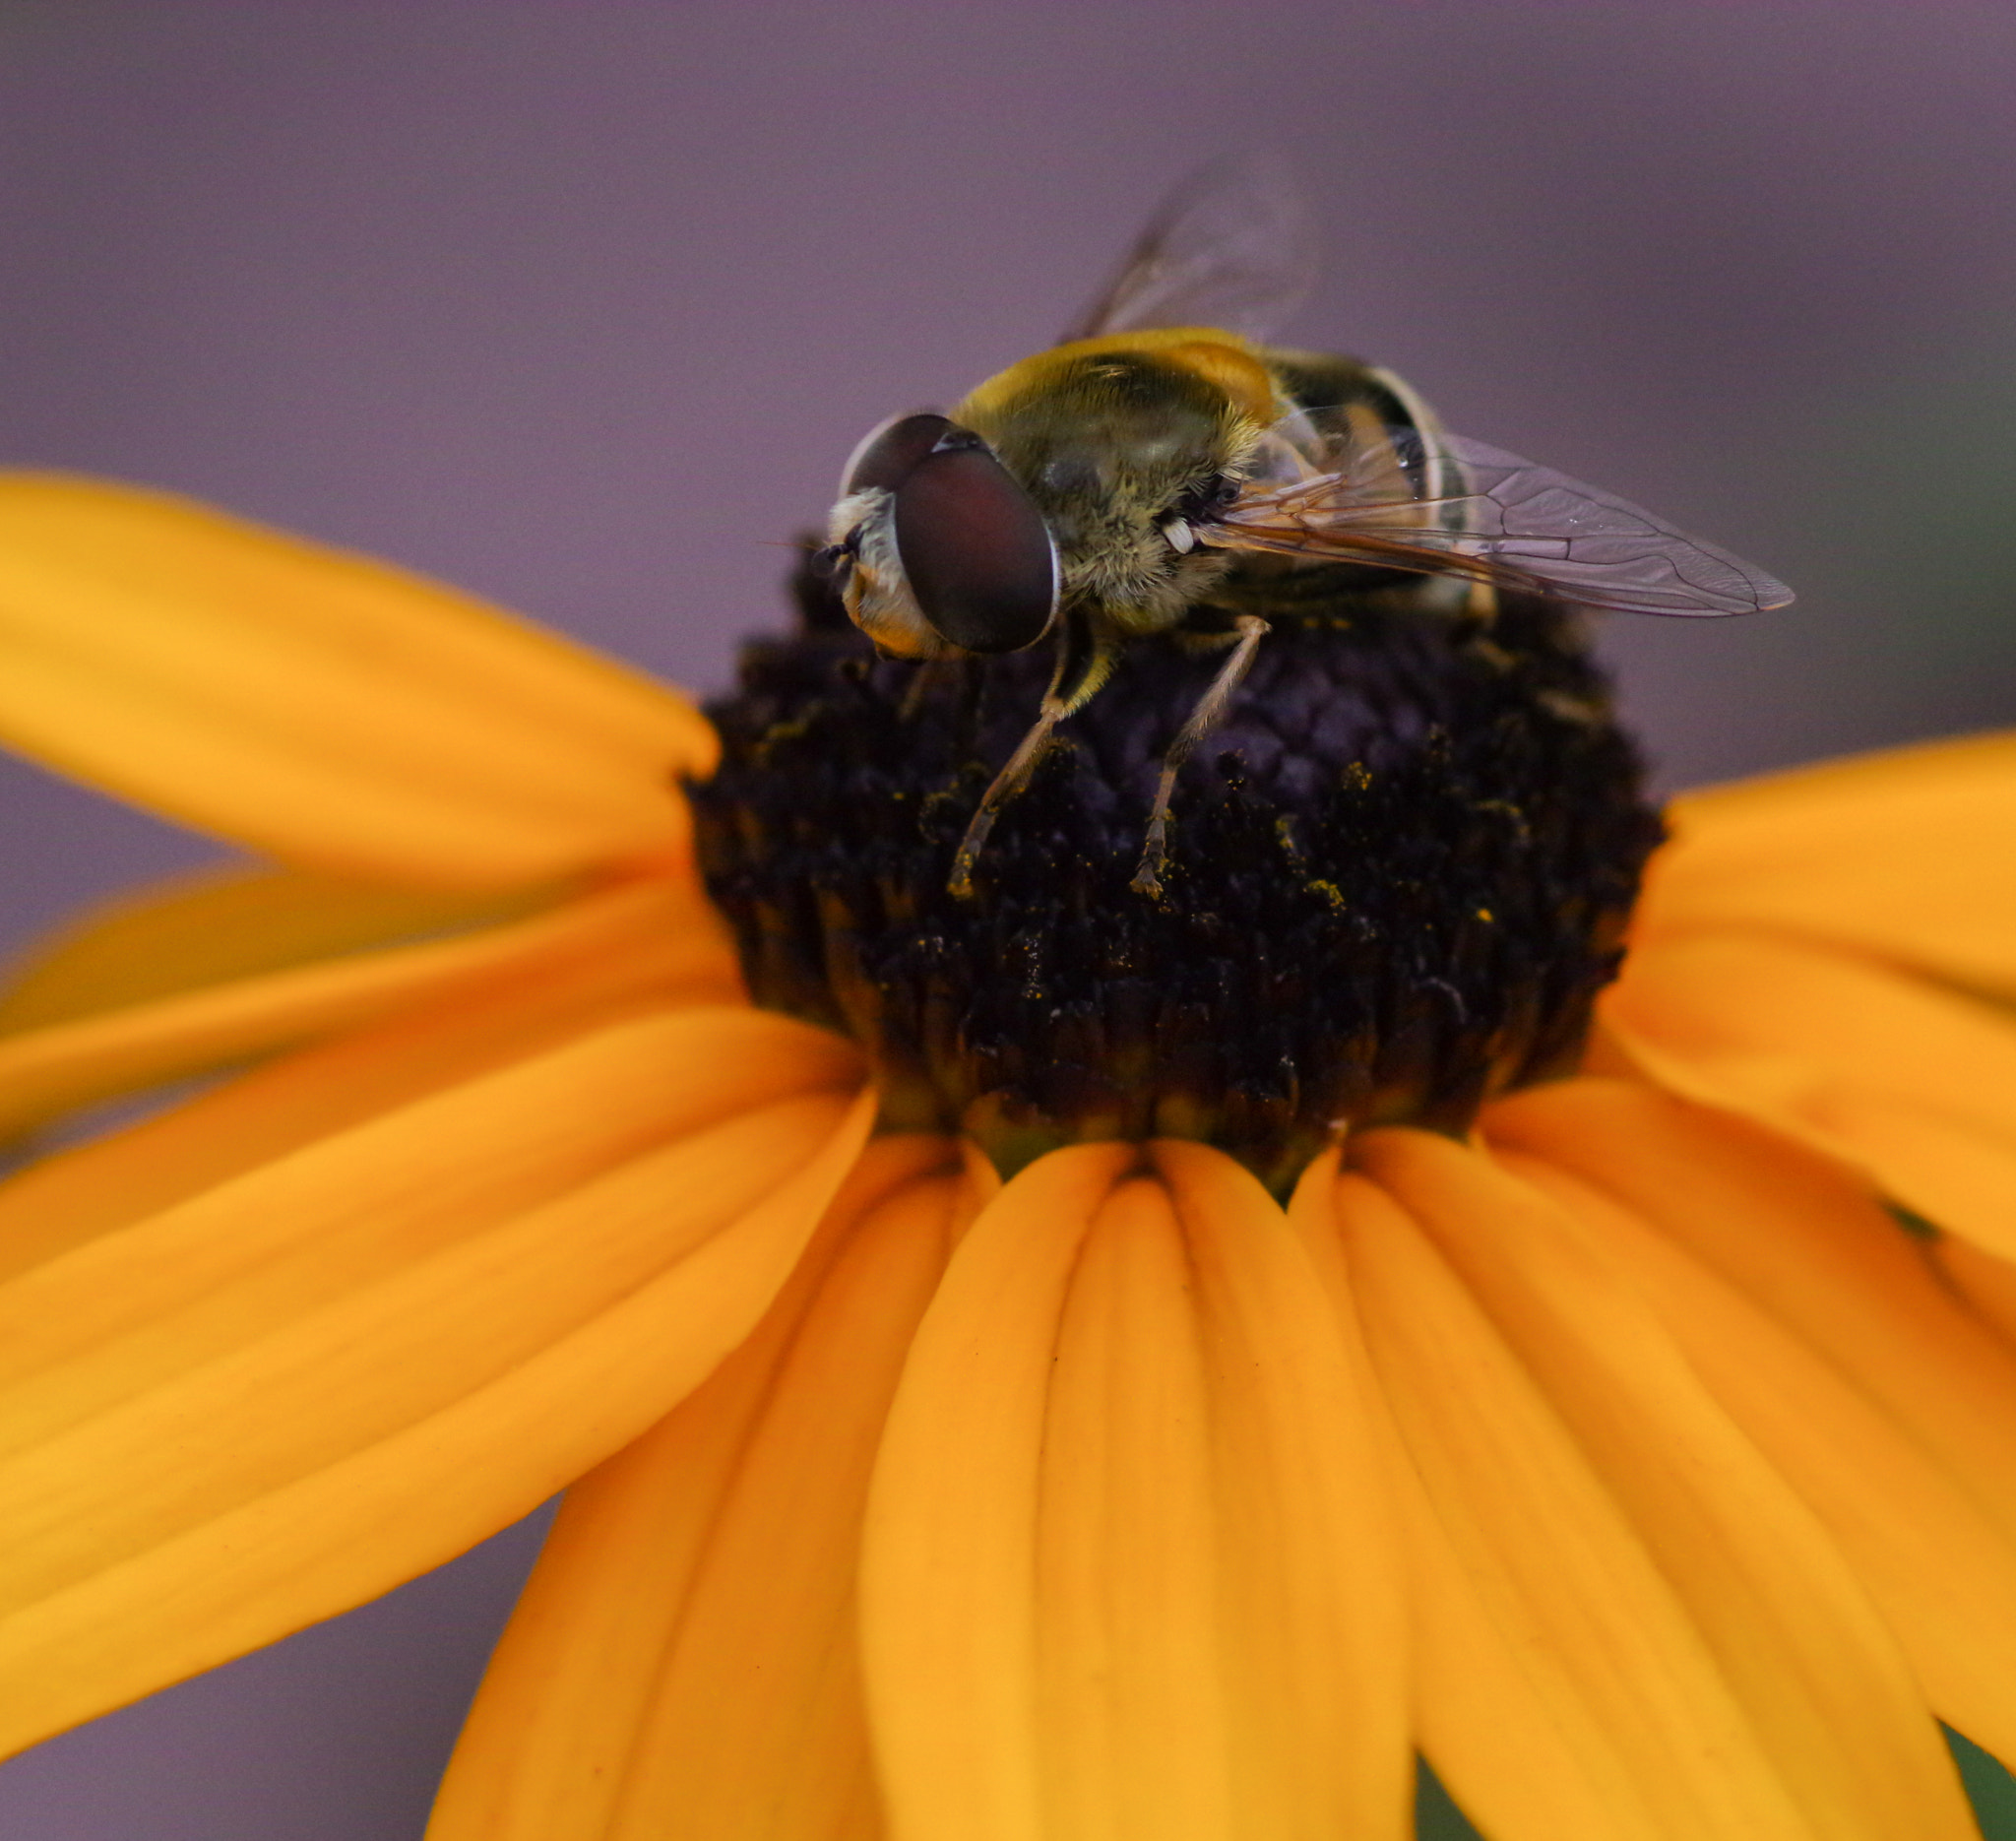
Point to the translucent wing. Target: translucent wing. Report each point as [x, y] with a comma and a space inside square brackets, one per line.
[1232, 247]
[1441, 504]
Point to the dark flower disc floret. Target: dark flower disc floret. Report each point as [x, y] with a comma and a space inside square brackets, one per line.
[1398, 876]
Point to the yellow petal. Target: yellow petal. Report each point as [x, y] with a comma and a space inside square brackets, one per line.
[1908, 855]
[1986, 1283]
[1915, 1084]
[317, 707]
[1519, 1756]
[1312, 1622]
[1946, 1170]
[224, 924]
[1477, 1711]
[185, 1287]
[1127, 1569]
[1815, 1673]
[1942, 1574]
[237, 1417]
[107, 1182]
[1564, 1691]
[948, 1634]
[1807, 1242]
[659, 929]
[683, 1659]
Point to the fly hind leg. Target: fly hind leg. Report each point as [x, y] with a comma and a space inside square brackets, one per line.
[1209, 713]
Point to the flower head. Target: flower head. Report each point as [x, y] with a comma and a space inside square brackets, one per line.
[1616, 1449]
[1393, 888]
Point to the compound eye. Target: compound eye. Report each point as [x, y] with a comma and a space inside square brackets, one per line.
[885, 455]
[978, 557]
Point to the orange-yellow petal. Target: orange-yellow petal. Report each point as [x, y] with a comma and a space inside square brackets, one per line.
[319, 708]
[1816, 1673]
[291, 1392]
[1908, 855]
[1986, 1283]
[658, 930]
[948, 1632]
[1127, 1569]
[109, 1181]
[1474, 1698]
[224, 924]
[1915, 1084]
[1312, 1620]
[1941, 1572]
[683, 1660]
[1565, 1692]
[1806, 1240]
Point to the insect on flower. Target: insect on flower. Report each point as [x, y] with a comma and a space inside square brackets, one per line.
[1161, 473]
[1056, 1365]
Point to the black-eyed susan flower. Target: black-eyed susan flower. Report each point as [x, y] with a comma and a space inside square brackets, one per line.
[1339, 1374]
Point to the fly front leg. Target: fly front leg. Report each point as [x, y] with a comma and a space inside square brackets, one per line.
[1250, 629]
[1085, 660]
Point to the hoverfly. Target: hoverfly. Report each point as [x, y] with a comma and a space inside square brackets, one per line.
[1161, 472]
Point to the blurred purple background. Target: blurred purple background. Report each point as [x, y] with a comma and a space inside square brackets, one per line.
[581, 307]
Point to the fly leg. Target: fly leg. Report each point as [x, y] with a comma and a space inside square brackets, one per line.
[925, 679]
[1206, 717]
[1085, 660]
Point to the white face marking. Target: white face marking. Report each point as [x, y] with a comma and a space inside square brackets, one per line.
[877, 592]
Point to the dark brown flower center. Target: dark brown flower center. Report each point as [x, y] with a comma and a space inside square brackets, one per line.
[1398, 876]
